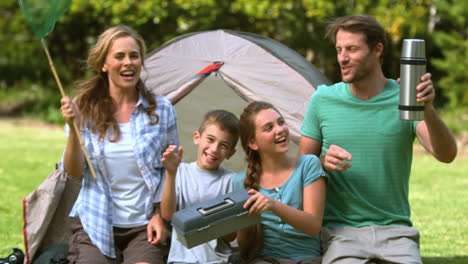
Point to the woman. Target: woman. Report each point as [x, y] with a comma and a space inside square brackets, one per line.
[288, 192]
[125, 130]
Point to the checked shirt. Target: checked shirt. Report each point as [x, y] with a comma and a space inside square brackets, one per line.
[94, 202]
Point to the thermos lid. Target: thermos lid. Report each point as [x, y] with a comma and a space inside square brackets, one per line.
[413, 48]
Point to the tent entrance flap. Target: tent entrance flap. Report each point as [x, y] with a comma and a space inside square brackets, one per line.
[176, 95]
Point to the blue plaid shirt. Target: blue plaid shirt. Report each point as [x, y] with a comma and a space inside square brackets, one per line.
[94, 202]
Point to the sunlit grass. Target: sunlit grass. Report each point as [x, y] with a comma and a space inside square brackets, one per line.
[29, 154]
[439, 199]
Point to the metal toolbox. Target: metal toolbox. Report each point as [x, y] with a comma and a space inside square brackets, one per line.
[212, 219]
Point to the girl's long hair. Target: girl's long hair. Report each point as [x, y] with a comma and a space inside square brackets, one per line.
[247, 133]
[93, 98]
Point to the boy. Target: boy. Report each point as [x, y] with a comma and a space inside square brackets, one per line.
[203, 180]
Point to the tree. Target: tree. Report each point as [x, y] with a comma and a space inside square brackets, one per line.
[299, 24]
[451, 37]
[19, 46]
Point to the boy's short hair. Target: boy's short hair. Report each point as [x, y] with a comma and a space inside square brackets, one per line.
[226, 120]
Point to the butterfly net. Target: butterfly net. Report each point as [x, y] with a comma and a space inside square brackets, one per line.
[41, 15]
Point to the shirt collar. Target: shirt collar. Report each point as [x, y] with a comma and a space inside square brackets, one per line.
[142, 101]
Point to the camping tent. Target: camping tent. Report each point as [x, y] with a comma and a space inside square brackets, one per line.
[255, 67]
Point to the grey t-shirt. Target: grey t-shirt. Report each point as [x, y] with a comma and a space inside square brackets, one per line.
[194, 185]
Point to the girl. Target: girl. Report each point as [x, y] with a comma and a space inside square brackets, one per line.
[288, 192]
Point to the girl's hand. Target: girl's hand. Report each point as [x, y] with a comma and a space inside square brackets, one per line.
[259, 203]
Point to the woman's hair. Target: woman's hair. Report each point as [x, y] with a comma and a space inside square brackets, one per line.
[93, 98]
[247, 133]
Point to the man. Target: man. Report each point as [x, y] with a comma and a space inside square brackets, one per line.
[354, 126]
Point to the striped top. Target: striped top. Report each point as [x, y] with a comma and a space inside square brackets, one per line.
[374, 191]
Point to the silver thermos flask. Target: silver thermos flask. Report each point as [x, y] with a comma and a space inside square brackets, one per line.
[412, 67]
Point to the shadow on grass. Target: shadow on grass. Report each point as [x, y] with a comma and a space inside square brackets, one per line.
[445, 260]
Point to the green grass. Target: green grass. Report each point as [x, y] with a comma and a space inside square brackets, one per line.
[438, 191]
[28, 155]
[439, 200]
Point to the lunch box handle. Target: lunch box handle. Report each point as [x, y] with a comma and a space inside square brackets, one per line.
[217, 207]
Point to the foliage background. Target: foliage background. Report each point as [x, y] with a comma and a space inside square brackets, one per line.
[26, 80]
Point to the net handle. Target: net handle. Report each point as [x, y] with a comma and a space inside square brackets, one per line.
[75, 127]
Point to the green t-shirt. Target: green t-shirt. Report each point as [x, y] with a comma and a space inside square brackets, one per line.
[374, 191]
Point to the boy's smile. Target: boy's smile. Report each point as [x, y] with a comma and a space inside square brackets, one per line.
[214, 145]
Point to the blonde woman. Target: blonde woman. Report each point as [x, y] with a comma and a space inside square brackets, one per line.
[125, 130]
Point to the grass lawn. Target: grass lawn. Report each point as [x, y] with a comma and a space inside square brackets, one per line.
[438, 192]
[439, 203]
[28, 155]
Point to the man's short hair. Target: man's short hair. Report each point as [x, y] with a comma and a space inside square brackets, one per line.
[226, 120]
[365, 24]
